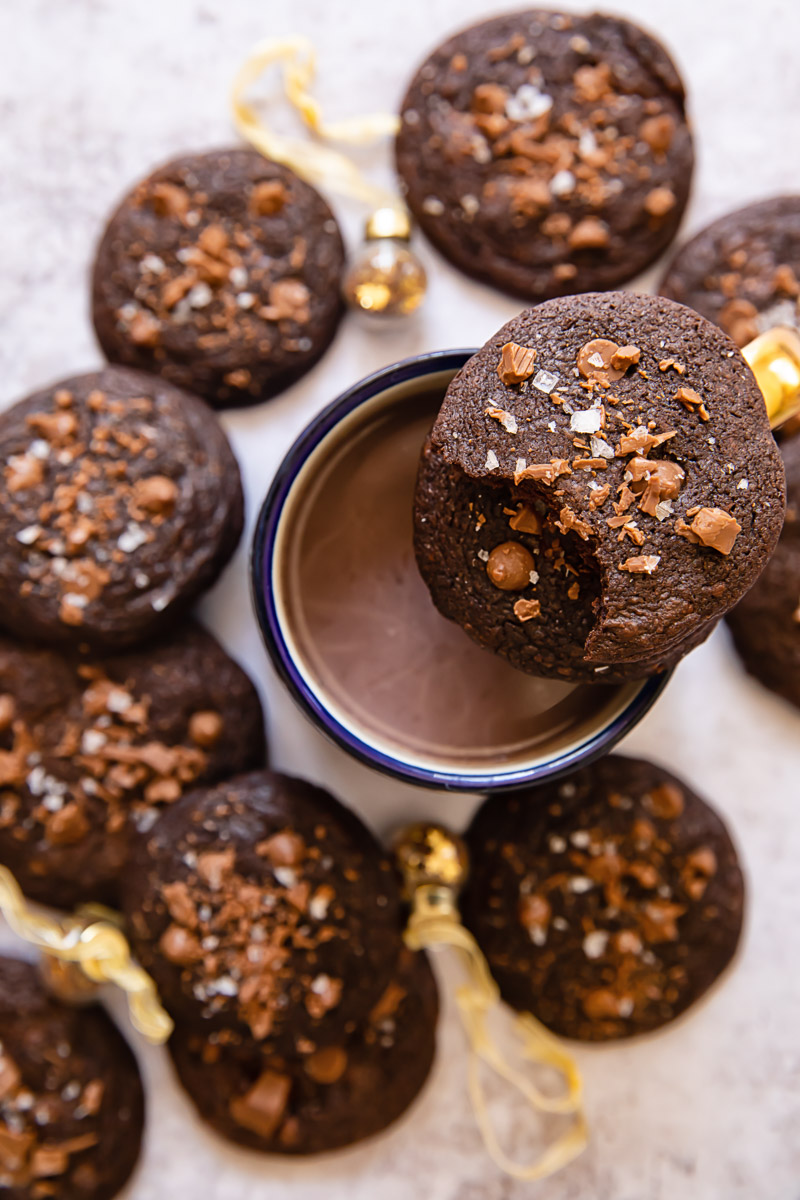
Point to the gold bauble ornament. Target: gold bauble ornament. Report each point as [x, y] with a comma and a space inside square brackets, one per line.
[384, 277]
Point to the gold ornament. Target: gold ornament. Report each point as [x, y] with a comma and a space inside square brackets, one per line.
[774, 358]
[434, 864]
[384, 278]
[81, 952]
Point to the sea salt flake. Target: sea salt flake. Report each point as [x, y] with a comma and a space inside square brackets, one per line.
[586, 420]
[75, 599]
[92, 741]
[545, 381]
[145, 819]
[132, 538]
[224, 986]
[528, 103]
[39, 448]
[200, 295]
[29, 534]
[285, 876]
[433, 206]
[562, 183]
[580, 838]
[557, 844]
[663, 509]
[587, 143]
[483, 555]
[246, 299]
[600, 449]
[238, 277]
[470, 204]
[520, 466]
[594, 944]
[152, 262]
[318, 907]
[579, 884]
[492, 461]
[743, 485]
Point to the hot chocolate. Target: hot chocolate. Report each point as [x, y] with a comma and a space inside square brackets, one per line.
[365, 630]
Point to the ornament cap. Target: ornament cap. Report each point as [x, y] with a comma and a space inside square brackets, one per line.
[388, 222]
[429, 854]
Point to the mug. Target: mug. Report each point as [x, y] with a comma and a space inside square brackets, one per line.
[352, 632]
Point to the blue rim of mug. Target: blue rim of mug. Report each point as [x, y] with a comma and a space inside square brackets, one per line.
[261, 570]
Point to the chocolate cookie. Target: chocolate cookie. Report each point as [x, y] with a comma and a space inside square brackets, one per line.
[547, 153]
[91, 748]
[71, 1099]
[266, 908]
[120, 501]
[606, 904]
[221, 272]
[766, 623]
[327, 1098]
[742, 270]
[600, 486]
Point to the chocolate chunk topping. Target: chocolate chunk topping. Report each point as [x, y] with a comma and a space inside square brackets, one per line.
[526, 610]
[711, 527]
[517, 363]
[693, 401]
[596, 361]
[642, 564]
[261, 1109]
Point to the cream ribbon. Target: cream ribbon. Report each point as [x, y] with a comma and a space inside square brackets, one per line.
[99, 949]
[435, 922]
[315, 162]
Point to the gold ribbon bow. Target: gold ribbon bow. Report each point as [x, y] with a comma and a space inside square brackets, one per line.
[97, 947]
[315, 162]
[434, 864]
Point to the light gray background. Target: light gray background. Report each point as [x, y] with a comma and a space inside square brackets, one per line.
[93, 93]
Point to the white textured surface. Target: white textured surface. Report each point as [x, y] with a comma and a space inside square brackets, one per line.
[95, 92]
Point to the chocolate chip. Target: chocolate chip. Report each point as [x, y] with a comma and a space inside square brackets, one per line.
[205, 728]
[658, 132]
[589, 234]
[659, 202]
[509, 566]
[327, 1065]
